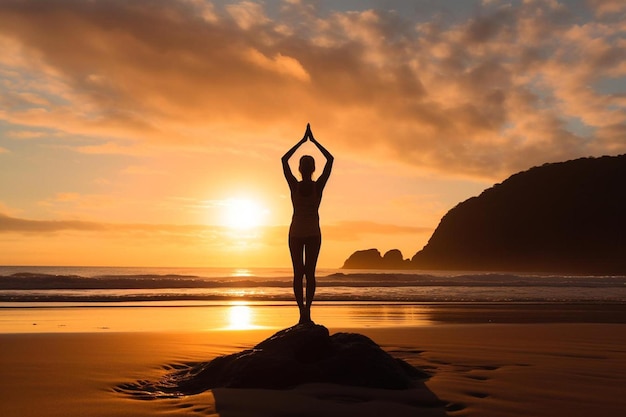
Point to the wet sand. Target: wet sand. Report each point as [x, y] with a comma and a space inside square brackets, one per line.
[486, 360]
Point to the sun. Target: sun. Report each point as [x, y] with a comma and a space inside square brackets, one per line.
[243, 213]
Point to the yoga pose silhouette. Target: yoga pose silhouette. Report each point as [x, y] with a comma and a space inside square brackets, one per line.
[305, 238]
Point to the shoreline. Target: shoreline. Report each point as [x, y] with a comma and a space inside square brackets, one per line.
[243, 316]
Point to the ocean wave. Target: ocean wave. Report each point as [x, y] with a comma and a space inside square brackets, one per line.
[17, 298]
[118, 285]
[33, 281]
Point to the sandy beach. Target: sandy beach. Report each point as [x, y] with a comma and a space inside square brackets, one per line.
[489, 360]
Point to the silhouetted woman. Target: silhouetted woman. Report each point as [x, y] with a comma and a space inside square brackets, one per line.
[305, 238]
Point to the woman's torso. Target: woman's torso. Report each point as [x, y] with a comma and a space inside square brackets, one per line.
[306, 198]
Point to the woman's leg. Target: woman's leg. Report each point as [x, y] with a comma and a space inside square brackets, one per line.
[296, 248]
[311, 252]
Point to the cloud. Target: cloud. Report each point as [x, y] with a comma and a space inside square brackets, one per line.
[133, 243]
[71, 241]
[24, 134]
[132, 233]
[10, 224]
[268, 235]
[281, 64]
[604, 7]
[247, 14]
[508, 88]
[353, 228]
[107, 148]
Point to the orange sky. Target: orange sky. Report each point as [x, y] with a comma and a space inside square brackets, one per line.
[128, 130]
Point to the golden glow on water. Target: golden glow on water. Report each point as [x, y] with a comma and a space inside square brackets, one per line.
[240, 317]
[241, 272]
[233, 316]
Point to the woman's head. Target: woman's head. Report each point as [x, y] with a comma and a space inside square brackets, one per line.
[307, 166]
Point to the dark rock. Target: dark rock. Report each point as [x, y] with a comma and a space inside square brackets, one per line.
[562, 217]
[393, 260]
[294, 356]
[371, 259]
[364, 259]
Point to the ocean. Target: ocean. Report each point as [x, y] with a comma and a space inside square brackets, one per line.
[27, 286]
[105, 299]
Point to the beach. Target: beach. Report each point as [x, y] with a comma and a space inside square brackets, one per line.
[485, 360]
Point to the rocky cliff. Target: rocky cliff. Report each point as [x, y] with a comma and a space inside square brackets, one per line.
[561, 217]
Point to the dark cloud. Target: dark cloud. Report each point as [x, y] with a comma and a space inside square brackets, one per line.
[13, 224]
[10, 224]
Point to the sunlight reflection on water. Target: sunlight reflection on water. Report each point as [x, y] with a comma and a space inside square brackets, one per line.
[241, 316]
[183, 317]
[241, 272]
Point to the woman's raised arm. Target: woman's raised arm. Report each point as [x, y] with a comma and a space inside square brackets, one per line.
[291, 179]
[329, 158]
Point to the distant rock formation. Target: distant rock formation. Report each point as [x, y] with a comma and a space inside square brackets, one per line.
[560, 217]
[371, 259]
[294, 356]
